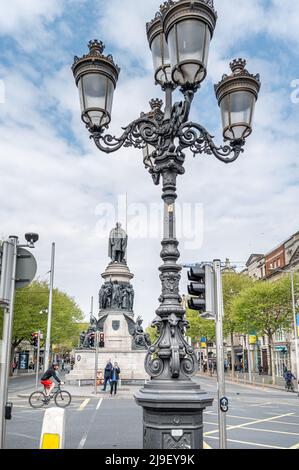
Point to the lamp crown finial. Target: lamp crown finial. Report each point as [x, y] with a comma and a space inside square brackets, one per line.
[238, 65]
[96, 46]
[156, 104]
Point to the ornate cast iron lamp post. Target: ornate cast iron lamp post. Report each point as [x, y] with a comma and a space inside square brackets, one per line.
[179, 38]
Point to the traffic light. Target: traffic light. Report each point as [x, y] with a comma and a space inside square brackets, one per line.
[202, 289]
[102, 340]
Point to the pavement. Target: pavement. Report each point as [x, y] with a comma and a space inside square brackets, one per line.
[257, 380]
[257, 418]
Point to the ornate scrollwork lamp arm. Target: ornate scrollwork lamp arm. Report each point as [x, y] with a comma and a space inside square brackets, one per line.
[199, 140]
[137, 134]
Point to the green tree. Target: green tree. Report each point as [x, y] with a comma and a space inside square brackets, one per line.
[265, 307]
[153, 332]
[30, 302]
[199, 328]
[233, 284]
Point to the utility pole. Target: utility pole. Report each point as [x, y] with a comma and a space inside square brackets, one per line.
[48, 337]
[222, 400]
[37, 359]
[10, 251]
[249, 359]
[295, 328]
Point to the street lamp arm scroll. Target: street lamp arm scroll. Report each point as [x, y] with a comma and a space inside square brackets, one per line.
[137, 134]
[199, 140]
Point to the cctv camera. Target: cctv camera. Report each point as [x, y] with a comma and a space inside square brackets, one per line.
[31, 238]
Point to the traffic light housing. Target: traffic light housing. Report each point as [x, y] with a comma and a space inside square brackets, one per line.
[202, 289]
[102, 340]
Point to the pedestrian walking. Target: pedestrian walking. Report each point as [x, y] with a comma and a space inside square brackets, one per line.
[260, 369]
[107, 374]
[114, 378]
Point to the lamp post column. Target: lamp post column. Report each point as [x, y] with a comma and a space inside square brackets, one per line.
[172, 403]
[295, 328]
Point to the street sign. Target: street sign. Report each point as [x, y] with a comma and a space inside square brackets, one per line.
[6, 270]
[26, 268]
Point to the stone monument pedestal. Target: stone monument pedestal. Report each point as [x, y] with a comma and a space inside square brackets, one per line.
[116, 322]
[131, 364]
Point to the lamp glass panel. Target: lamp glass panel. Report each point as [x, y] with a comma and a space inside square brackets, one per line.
[189, 42]
[237, 110]
[110, 93]
[94, 88]
[161, 58]
[94, 93]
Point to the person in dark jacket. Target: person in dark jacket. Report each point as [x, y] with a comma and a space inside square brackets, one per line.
[48, 375]
[107, 373]
[114, 378]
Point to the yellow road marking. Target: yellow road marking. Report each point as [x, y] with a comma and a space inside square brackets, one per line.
[295, 446]
[251, 443]
[276, 432]
[84, 404]
[246, 424]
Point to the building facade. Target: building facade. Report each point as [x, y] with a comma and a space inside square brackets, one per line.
[272, 266]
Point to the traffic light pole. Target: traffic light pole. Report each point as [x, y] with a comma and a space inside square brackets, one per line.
[48, 337]
[220, 354]
[12, 246]
[249, 359]
[37, 359]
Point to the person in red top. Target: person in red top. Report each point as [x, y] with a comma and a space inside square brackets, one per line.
[46, 379]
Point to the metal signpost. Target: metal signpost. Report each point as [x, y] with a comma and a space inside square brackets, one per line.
[249, 359]
[39, 337]
[18, 269]
[8, 275]
[222, 400]
[48, 337]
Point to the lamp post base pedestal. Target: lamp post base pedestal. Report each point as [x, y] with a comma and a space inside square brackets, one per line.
[172, 414]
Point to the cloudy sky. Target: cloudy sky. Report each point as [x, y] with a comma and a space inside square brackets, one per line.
[55, 182]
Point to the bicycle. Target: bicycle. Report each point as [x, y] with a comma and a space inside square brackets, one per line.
[62, 398]
[289, 386]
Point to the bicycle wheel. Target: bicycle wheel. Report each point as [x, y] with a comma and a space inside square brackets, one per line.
[63, 399]
[37, 400]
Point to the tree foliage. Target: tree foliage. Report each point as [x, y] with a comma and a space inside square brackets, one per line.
[265, 307]
[199, 327]
[152, 331]
[233, 284]
[32, 300]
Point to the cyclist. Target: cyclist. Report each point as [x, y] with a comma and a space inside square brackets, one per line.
[288, 377]
[46, 379]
